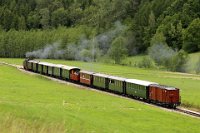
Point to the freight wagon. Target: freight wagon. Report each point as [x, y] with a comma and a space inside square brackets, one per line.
[164, 95]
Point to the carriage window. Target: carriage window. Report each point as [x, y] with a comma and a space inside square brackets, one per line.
[134, 86]
[112, 81]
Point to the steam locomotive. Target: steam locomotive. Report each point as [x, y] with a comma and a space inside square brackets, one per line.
[142, 90]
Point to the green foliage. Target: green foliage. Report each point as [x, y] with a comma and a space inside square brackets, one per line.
[158, 38]
[178, 61]
[60, 17]
[177, 20]
[192, 36]
[146, 62]
[118, 50]
[198, 66]
[16, 43]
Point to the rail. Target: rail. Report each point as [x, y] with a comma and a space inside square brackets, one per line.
[189, 112]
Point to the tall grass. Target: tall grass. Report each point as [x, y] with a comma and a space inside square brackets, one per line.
[12, 124]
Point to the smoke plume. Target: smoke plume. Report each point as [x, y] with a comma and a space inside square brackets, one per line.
[49, 51]
[85, 49]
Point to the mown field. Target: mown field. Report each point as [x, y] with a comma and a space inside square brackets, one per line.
[189, 84]
[32, 103]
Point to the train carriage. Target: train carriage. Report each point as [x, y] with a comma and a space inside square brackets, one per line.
[50, 68]
[164, 95]
[34, 65]
[100, 81]
[116, 84]
[86, 77]
[29, 65]
[138, 88]
[40, 67]
[45, 68]
[57, 70]
[70, 73]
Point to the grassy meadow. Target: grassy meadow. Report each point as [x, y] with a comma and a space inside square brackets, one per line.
[189, 84]
[32, 103]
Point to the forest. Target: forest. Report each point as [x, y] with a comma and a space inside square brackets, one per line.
[99, 29]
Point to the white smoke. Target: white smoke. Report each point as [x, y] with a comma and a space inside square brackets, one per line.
[49, 51]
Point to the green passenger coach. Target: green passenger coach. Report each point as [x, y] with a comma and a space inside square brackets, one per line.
[138, 88]
[34, 65]
[57, 70]
[50, 68]
[100, 80]
[40, 67]
[45, 68]
[116, 84]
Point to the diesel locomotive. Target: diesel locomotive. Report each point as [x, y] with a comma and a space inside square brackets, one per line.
[143, 90]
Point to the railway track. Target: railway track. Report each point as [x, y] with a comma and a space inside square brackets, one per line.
[188, 112]
[178, 109]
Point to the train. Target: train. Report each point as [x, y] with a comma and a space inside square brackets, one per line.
[150, 92]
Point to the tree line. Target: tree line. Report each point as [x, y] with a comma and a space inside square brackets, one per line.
[27, 25]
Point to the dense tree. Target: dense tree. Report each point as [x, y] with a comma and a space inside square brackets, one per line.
[171, 22]
[45, 18]
[192, 36]
[197, 69]
[59, 17]
[118, 50]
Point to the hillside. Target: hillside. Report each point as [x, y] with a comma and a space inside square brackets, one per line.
[43, 106]
[188, 83]
[30, 25]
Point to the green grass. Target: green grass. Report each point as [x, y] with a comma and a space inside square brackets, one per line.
[189, 84]
[32, 103]
[134, 60]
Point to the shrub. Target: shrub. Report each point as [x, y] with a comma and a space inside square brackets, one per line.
[198, 66]
[146, 62]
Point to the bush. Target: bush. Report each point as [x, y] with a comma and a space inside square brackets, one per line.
[146, 62]
[178, 61]
[198, 67]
